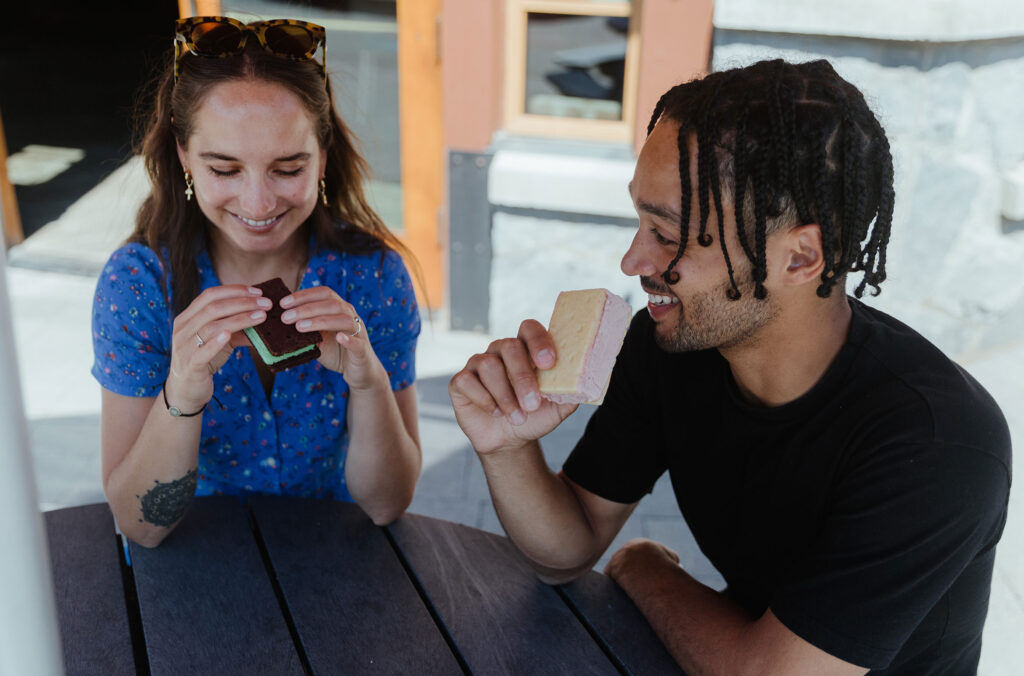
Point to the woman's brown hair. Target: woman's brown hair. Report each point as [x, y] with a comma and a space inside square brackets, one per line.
[167, 221]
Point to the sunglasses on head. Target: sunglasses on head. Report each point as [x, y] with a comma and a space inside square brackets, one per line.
[222, 36]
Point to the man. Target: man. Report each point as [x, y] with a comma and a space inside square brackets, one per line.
[848, 480]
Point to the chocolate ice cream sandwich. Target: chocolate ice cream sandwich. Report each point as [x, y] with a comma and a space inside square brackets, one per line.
[281, 345]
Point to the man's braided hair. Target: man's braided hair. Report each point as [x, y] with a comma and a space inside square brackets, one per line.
[785, 143]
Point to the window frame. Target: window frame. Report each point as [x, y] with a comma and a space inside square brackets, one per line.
[518, 121]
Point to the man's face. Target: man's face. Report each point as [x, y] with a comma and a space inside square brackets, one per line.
[694, 313]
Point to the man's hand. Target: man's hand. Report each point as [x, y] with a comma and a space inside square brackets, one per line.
[637, 557]
[496, 397]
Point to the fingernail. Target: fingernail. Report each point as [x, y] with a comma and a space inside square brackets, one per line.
[545, 358]
[517, 417]
[496, 413]
[288, 316]
[223, 337]
[287, 301]
[253, 291]
[265, 303]
[259, 314]
[304, 324]
[531, 401]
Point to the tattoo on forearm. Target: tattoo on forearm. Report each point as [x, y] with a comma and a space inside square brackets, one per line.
[165, 503]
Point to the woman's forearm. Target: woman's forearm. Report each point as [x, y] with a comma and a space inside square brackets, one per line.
[384, 459]
[153, 485]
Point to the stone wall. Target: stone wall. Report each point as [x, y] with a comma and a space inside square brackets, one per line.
[953, 114]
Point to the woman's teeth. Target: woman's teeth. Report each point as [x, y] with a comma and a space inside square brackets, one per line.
[257, 224]
[655, 299]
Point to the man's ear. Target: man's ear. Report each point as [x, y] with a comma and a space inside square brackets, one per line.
[802, 255]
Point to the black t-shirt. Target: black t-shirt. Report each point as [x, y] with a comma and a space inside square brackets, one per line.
[864, 514]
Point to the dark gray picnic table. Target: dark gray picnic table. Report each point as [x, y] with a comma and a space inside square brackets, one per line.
[291, 586]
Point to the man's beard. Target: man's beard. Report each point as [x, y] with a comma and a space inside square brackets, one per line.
[711, 320]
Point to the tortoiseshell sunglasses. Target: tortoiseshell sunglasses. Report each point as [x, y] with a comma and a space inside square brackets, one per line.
[222, 36]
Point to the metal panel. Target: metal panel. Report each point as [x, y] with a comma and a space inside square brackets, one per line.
[469, 231]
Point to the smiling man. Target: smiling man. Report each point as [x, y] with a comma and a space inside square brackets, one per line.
[848, 480]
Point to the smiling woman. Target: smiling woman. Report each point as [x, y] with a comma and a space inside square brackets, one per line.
[253, 177]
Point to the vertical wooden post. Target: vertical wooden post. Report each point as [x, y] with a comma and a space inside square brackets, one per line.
[420, 122]
[675, 46]
[13, 232]
[198, 8]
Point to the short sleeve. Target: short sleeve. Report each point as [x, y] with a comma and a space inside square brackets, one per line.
[131, 324]
[383, 295]
[900, 533]
[617, 456]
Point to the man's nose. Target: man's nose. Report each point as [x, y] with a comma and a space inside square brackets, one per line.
[637, 260]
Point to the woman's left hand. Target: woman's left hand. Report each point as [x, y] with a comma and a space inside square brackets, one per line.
[345, 347]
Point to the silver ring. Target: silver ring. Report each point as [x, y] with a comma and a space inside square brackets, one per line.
[359, 327]
[199, 340]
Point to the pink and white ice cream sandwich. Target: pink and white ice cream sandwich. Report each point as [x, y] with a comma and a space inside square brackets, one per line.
[588, 327]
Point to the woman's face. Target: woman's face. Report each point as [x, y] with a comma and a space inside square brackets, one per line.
[256, 165]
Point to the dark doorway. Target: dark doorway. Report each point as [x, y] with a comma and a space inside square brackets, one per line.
[69, 72]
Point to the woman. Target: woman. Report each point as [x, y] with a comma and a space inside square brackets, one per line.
[254, 176]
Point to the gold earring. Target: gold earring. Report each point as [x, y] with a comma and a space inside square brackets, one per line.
[323, 192]
[188, 186]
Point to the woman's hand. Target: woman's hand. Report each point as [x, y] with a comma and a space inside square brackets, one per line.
[205, 334]
[345, 347]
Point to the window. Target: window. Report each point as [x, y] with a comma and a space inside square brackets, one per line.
[571, 68]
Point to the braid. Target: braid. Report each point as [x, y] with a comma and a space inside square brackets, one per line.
[704, 171]
[761, 197]
[670, 275]
[780, 150]
[741, 171]
[709, 133]
[883, 222]
[796, 182]
[659, 107]
[823, 197]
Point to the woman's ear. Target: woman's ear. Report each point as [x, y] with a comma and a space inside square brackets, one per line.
[801, 252]
[181, 156]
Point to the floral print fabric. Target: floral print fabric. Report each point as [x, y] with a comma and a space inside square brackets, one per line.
[295, 443]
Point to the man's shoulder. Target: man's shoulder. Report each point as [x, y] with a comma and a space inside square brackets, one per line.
[914, 388]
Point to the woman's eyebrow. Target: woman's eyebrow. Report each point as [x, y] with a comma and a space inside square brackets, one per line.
[210, 155]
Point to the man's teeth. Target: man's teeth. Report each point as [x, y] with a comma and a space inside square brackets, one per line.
[258, 224]
[655, 299]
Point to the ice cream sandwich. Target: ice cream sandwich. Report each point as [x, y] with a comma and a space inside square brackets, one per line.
[281, 345]
[588, 327]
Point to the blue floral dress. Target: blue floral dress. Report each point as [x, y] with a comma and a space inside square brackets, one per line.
[295, 443]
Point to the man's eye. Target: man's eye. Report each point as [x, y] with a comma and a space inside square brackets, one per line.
[660, 239]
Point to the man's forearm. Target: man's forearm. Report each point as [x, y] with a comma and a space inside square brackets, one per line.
[701, 629]
[540, 513]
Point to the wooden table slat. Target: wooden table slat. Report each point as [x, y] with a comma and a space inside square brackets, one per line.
[624, 631]
[503, 620]
[89, 590]
[351, 601]
[206, 602]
